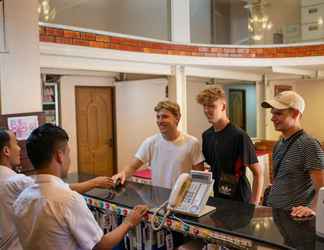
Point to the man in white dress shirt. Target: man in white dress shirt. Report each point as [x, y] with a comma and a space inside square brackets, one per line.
[48, 214]
[12, 184]
[9, 157]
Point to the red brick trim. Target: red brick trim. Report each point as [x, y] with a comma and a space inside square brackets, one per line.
[64, 36]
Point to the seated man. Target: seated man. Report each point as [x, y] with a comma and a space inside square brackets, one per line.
[12, 184]
[169, 152]
[48, 214]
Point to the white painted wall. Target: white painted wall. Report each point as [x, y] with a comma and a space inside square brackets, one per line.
[20, 67]
[141, 17]
[197, 121]
[68, 108]
[135, 101]
[313, 119]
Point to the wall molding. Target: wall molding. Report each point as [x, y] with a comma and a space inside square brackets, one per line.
[102, 40]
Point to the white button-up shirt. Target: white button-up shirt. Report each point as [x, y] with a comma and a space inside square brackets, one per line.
[11, 185]
[49, 215]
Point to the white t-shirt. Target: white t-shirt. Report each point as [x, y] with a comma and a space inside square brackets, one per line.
[11, 185]
[168, 159]
[49, 215]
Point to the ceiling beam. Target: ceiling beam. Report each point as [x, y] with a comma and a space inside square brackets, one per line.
[294, 71]
[222, 74]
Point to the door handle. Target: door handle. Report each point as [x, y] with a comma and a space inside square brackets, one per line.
[110, 142]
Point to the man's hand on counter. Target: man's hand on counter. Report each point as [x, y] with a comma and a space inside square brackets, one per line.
[121, 176]
[136, 215]
[302, 211]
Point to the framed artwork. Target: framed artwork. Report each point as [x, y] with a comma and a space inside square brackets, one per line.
[237, 107]
[21, 125]
[279, 88]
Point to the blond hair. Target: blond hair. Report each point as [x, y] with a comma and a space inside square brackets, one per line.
[172, 107]
[210, 95]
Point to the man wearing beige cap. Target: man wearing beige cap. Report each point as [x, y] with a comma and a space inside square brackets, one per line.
[298, 160]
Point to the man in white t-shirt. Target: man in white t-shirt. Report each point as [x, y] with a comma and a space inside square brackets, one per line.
[169, 153]
[12, 184]
[48, 214]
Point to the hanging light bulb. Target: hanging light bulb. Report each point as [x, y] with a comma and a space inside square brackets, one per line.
[45, 11]
[259, 23]
[257, 37]
[265, 19]
[320, 21]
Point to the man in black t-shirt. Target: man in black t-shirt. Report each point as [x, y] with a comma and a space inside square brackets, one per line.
[228, 150]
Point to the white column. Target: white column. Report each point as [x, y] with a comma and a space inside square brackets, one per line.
[178, 93]
[180, 21]
[260, 112]
[19, 64]
[268, 129]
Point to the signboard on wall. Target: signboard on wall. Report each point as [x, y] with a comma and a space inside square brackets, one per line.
[280, 88]
[22, 125]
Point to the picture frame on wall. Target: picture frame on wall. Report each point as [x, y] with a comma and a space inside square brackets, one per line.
[22, 124]
[280, 88]
[237, 107]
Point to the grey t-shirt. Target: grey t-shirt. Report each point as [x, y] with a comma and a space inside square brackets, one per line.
[292, 186]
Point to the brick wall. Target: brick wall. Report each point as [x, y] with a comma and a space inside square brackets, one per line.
[63, 36]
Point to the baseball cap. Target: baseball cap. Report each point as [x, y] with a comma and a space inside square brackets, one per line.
[286, 100]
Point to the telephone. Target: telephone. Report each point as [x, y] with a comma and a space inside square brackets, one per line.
[189, 196]
[179, 191]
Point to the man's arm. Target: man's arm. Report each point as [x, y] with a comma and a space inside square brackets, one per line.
[111, 239]
[257, 183]
[98, 182]
[128, 171]
[318, 182]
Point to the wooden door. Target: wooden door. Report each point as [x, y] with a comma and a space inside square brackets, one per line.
[95, 130]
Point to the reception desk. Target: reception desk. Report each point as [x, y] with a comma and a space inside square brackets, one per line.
[233, 224]
[144, 175]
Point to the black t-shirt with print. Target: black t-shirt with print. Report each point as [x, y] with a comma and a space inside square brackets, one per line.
[229, 151]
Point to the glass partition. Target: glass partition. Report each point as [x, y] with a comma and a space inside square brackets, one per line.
[222, 22]
[144, 18]
[254, 22]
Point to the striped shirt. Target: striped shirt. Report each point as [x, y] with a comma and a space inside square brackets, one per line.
[292, 185]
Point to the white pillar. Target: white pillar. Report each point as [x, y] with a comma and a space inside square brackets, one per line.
[180, 21]
[268, 129]
[260, 112]
[19, 63]
[178, 93]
